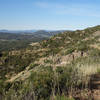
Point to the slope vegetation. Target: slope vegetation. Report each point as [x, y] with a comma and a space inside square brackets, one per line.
[60, 68]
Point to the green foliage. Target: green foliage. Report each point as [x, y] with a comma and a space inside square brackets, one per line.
[1, 86]
[64, 78]
[48, 61]
[47, 80]
[33, 66]
[69, 51]
[42, 83]
[94, 52]
[14, 63]
[82, 46]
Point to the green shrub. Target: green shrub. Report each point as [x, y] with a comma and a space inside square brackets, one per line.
[48, 61]
[94, 52]
[65, 80]
[69, 51]
[33, 66]
[82, 47]
[42, 83]
[1, 86]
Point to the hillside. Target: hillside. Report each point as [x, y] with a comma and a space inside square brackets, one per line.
[18, 40]
[52, 69]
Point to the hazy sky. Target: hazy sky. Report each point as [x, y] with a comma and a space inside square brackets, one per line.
[49, 14]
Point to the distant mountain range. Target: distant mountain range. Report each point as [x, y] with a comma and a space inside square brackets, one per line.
[31, 31]
[5, 34]
[21, 39]
[17, 31]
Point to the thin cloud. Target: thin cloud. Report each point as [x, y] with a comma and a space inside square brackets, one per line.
[70, 9]
[42, 4]
[79, 12]
[49, 5]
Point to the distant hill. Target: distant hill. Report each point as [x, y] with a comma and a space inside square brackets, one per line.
[17, 31]
[44, 33]
[18, 40]
[4, 34]
[30, 31]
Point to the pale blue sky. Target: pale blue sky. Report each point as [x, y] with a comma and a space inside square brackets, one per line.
[49, 14]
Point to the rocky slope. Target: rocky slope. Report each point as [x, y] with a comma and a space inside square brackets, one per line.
[75, 54]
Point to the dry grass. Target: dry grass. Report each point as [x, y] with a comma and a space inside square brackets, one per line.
[87, 69]
[84, 70]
